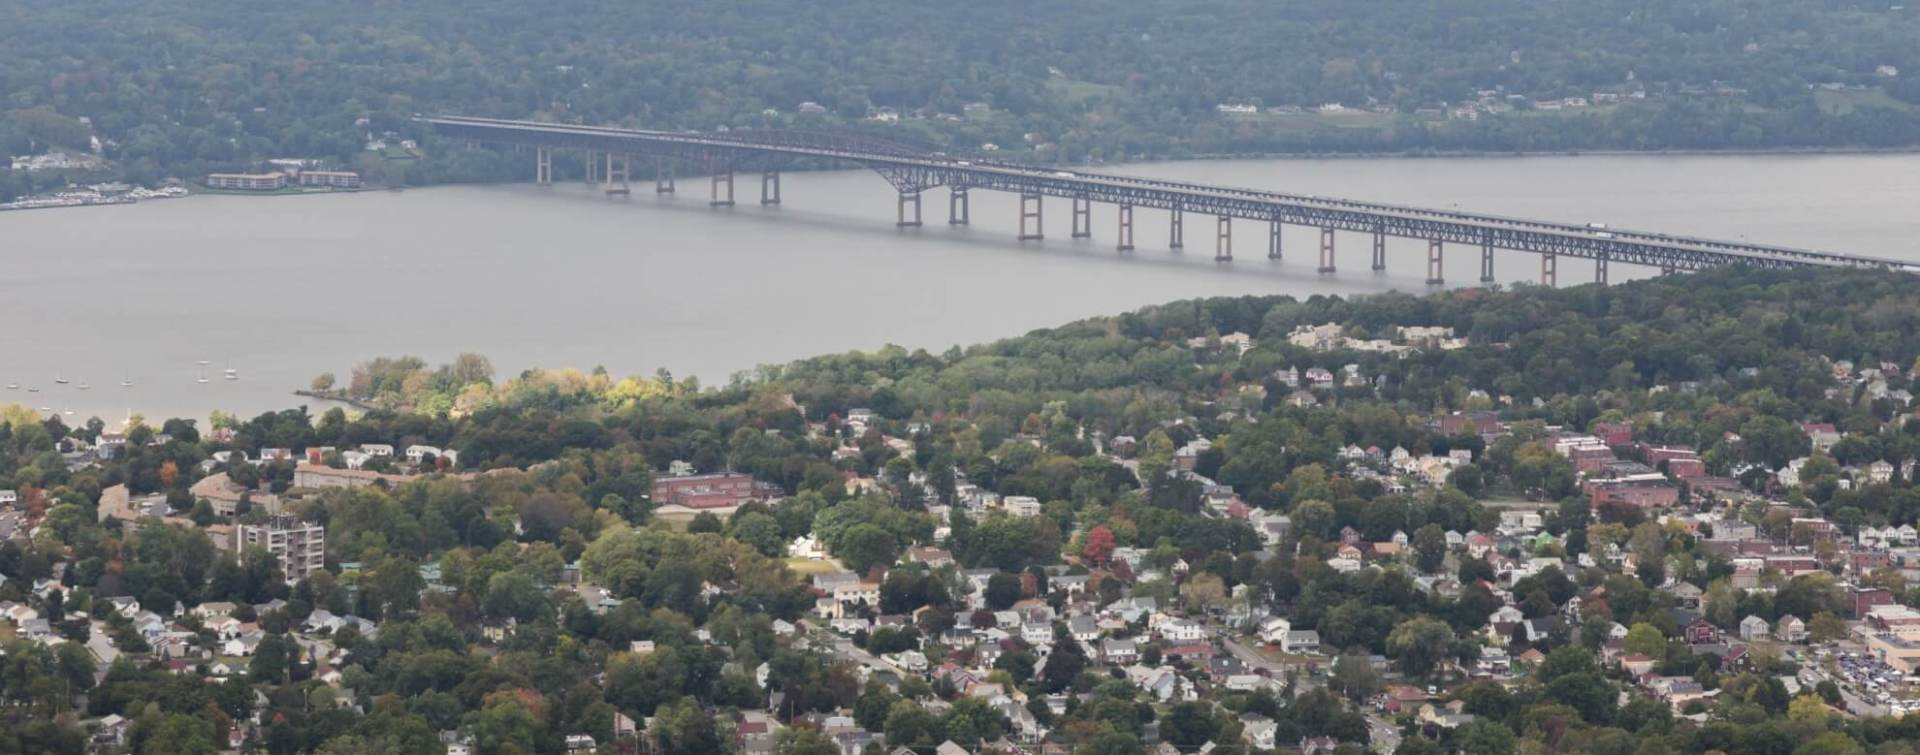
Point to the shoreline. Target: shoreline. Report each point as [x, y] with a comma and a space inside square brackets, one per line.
[199, 189]
[67, 205]
[320, 396]
[1457, 154]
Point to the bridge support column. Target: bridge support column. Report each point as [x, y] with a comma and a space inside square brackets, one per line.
[770, 187]
[1273, 239]
[1176, 230]
[1082, 218]
[1326, 250]
[1125, 233]
[1031, 206]
[1600, 269]
[716, 197]
[593, 168]
[1223, 240]
[616, 174]
[1379, 251]
[906, 221]
[542, 166]
[958, 211]
[1548, 270]
[663, 177]
[1436, 273]
[1669, 270]
[1486, 263]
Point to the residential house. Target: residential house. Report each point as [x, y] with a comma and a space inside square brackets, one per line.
[1302, 642]
[1790, 629]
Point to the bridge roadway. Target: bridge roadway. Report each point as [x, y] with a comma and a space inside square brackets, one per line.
[912, 171]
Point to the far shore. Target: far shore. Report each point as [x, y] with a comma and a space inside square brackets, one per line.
[1453, 154]
[1411, 154]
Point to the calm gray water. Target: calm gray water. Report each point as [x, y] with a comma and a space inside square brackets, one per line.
[283, 288]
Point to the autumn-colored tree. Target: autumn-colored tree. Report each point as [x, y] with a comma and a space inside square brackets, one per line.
[1099, 546]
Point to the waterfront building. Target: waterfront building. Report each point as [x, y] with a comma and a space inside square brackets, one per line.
[247, 181]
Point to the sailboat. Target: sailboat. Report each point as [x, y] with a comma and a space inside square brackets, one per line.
[203, 373]
[58, 379]
[232, 374]
[126, 381]
[83, 385]
[13, 386]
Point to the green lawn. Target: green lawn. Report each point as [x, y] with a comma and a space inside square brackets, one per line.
[807, 568]
[1081, 91]
[1841, 103]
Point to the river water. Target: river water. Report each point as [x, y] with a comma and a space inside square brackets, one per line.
[283, 288]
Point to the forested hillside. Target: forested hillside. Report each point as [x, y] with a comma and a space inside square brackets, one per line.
[178, 87]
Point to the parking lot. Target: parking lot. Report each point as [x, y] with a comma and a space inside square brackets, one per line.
[1869, 686]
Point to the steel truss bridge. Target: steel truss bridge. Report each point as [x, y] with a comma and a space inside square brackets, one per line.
[609, 154]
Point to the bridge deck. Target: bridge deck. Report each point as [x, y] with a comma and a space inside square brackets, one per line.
[913, 171]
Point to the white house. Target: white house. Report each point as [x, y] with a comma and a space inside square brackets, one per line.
[1021, 505]
[1182, 630]
[1790, 629]
[1259, 730]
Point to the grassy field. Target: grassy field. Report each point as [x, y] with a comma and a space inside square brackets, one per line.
[808, 568]
[1081, 91]
[678, 520]
[1841, 103]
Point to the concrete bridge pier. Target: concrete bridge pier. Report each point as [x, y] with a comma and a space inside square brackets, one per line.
[1600, 269]
[593, 168]
[1223, 240]
[1669, 270]
[663, 177]
[1436, 273]
[905, 220]
[770, 187]
[958, 210]
[1176, 231]
[1031, 206]
[1273, 239]
[616, 174]
[1082, 218]
[542, 166]
[716, 197]
[1548, 271]
[1125, 233]
[1379, 251]
[1486, 263]
[1326, 250]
